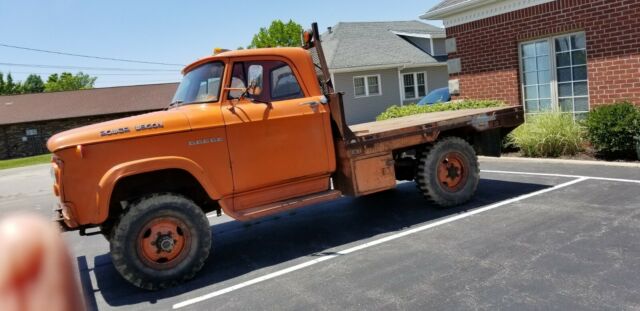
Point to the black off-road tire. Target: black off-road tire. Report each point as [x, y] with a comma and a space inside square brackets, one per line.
[443, 154]
[106, 229]
[126, 241]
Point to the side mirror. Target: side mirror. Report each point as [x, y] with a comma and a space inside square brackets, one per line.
[253, 89]
[255, 80]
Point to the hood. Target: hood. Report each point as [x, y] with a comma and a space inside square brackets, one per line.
[154, 123]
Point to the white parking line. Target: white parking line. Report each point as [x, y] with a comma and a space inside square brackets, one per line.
[562, 175]
[370, 244]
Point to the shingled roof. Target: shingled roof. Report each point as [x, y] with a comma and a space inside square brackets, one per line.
[93, 102]
[369, 44]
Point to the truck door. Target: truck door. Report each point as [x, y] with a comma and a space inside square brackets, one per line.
[277, 134]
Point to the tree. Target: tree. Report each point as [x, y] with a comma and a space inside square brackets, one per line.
[33, 84]
[9, 87]
[68, 82]
[278, 34]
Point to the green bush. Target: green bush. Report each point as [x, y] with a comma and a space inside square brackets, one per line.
[411, 109]
[548, 135]
[613, 129]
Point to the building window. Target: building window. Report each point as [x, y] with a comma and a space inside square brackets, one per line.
[414, 85]
[554, 75]
[366, 86]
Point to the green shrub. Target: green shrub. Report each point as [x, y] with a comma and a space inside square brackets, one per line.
[613, 129]
[548, 135]
[411, 109]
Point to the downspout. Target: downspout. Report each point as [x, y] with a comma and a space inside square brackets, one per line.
[400, 88]
[432, 48]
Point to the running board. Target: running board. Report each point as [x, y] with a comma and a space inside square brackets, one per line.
[281, 206]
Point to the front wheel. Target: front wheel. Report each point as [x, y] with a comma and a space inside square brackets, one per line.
[448, 172]
[160, 241]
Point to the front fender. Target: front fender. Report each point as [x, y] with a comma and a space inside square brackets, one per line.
[111, 177]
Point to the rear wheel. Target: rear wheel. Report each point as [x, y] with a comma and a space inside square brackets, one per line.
[160, 241]
[448, 172]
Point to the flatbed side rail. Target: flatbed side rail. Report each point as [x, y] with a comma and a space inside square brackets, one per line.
[509, 117]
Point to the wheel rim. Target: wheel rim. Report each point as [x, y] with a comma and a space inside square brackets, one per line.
[452, 171]
[164, 242]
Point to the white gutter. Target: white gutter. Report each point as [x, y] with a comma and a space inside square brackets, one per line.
[382, 67]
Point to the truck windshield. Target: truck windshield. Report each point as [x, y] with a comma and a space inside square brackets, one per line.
[200, 85]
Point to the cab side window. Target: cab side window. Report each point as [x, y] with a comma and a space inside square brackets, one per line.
[284, 84]
[264, 80]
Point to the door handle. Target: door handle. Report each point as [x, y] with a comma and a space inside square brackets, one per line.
[310, 103]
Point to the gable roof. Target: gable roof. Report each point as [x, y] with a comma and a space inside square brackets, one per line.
[373, 44]
[83, 103]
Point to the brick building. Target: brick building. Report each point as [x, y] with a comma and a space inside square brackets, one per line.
[568, 55]
[27, 121]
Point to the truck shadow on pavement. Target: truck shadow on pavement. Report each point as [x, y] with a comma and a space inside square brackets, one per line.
[241, 248]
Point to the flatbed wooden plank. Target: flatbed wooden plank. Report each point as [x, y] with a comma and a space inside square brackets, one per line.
[377, 127]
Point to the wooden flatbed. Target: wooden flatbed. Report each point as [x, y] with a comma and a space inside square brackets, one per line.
[366, 157]
[418, 121]
[423, 128]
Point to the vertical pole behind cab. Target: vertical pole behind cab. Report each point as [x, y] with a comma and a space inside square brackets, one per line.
[326, 77]
[335, 99]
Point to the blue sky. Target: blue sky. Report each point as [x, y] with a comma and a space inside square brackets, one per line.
[161, 31]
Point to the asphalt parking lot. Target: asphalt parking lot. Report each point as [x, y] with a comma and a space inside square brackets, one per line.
[537, 236]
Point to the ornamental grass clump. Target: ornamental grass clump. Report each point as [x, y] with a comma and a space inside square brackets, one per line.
[548, 135]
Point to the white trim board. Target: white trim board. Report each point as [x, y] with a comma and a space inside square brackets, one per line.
[474, 10]
[420, 35]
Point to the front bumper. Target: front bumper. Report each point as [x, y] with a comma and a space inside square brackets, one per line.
[62, 215]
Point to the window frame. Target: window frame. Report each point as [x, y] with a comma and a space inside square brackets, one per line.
[272, 84]
[267, 69]
[415, 85]
[366, 86]
[553, 74]
[220, 87]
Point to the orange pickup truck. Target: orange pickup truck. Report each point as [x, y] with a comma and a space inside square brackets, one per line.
[251, 133]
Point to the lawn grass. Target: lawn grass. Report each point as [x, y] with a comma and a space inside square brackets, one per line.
[41, 159]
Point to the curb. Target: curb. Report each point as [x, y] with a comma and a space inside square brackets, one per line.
[562, 161]
[6, 171]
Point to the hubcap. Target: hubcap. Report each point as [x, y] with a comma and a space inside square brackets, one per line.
[452, 173]
[163, 242]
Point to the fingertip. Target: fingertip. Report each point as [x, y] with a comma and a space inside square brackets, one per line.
[21, 248]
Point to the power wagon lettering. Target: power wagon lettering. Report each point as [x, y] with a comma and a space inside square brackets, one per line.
[121, 130]
[150, 126]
